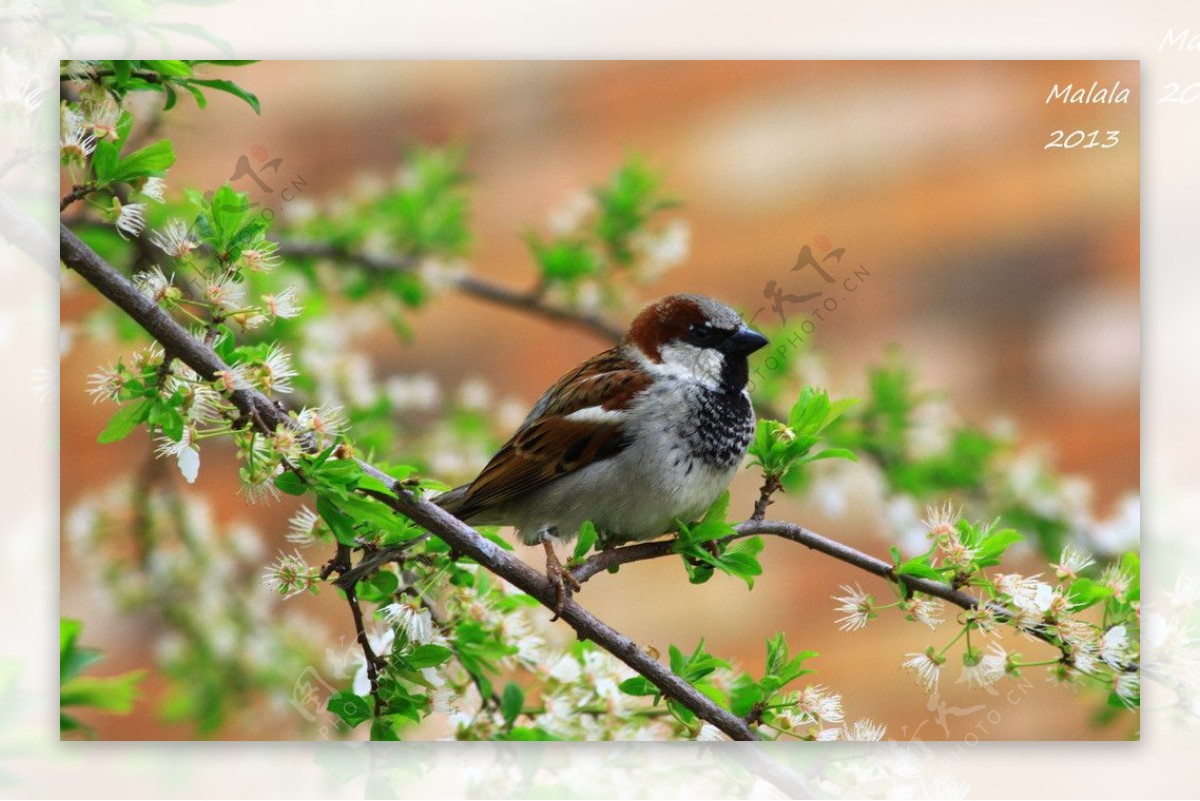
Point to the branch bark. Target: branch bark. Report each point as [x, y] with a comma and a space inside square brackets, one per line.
[531, 302]
[810, 539]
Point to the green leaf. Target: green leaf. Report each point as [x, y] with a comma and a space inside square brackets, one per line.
[151, 160]
[1085, 592]
[227, 217]
[104, 161]
[290, 483]
[72, 659]
[341, 524]
[121, 72]
[526, 734]
[743, 696]
[512, 700]
[115, 694]
[231, 88]
[777, 652]
[383, 729]
[124, 422]
[428, 655]
[587, 538]
[201, 100]
[367, 481]
[563, 260]
[994, 545]
[379, 586]
[352, 709]
[919, 566]
[834, 453]
[639, 686]
[68, 633]
[741, 560]
[167, 418]
[170, 69]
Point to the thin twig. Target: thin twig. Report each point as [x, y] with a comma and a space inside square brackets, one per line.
[793, 532]
[771, 485]
[78, 192]
[532, 302]
[372, 659]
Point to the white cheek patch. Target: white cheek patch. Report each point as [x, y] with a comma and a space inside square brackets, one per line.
[596, 414]
[690, 362]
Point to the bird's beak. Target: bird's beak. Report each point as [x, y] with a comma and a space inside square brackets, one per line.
[743, 342]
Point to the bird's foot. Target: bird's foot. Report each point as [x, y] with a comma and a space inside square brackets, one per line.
[560, 577]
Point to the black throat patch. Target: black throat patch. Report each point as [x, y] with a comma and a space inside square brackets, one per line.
[721, 426]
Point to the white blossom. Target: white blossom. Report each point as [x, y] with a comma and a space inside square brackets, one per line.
[381, 645]
[475, 394]
[261, 258]
[857, 605]
[819, 702]
[419, 392]
[980, 671]
[283, 305]
[289, 575]
[1114, 647]
[662, 250]
[864, 730]
[302, 526]
[276, 371]
[570, 216]
[131, 218]
[1072, 562]
[565, 670]
[1117, 578]
[175, 240]
[225, 292]
[153, 189]
[441, 274]
[926, 667]
[928, 611]
[942, 521]
[104, 385]
[1028, 594]
[413, 620]
[1127, 686]
[187, 457]
[154, 283]
[326, 420]
[75, 142]
[80, 70]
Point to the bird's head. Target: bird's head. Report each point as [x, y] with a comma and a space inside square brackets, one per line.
[696, 338]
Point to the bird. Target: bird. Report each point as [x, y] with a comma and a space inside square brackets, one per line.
[634, 439]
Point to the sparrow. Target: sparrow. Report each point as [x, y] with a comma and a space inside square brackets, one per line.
[634, 439]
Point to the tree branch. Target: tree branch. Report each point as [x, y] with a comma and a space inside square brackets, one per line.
[266, 416]
[531, 302]
[604, 560]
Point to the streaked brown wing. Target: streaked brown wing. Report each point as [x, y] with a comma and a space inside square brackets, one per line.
[548, 446]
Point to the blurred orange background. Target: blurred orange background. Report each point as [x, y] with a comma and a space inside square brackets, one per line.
[1006, 273]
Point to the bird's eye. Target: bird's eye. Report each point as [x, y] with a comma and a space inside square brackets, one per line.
[705, 336]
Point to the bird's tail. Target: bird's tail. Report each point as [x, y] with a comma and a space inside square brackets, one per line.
[452, 500]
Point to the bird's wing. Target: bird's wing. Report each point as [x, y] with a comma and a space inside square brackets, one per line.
[577, 422]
